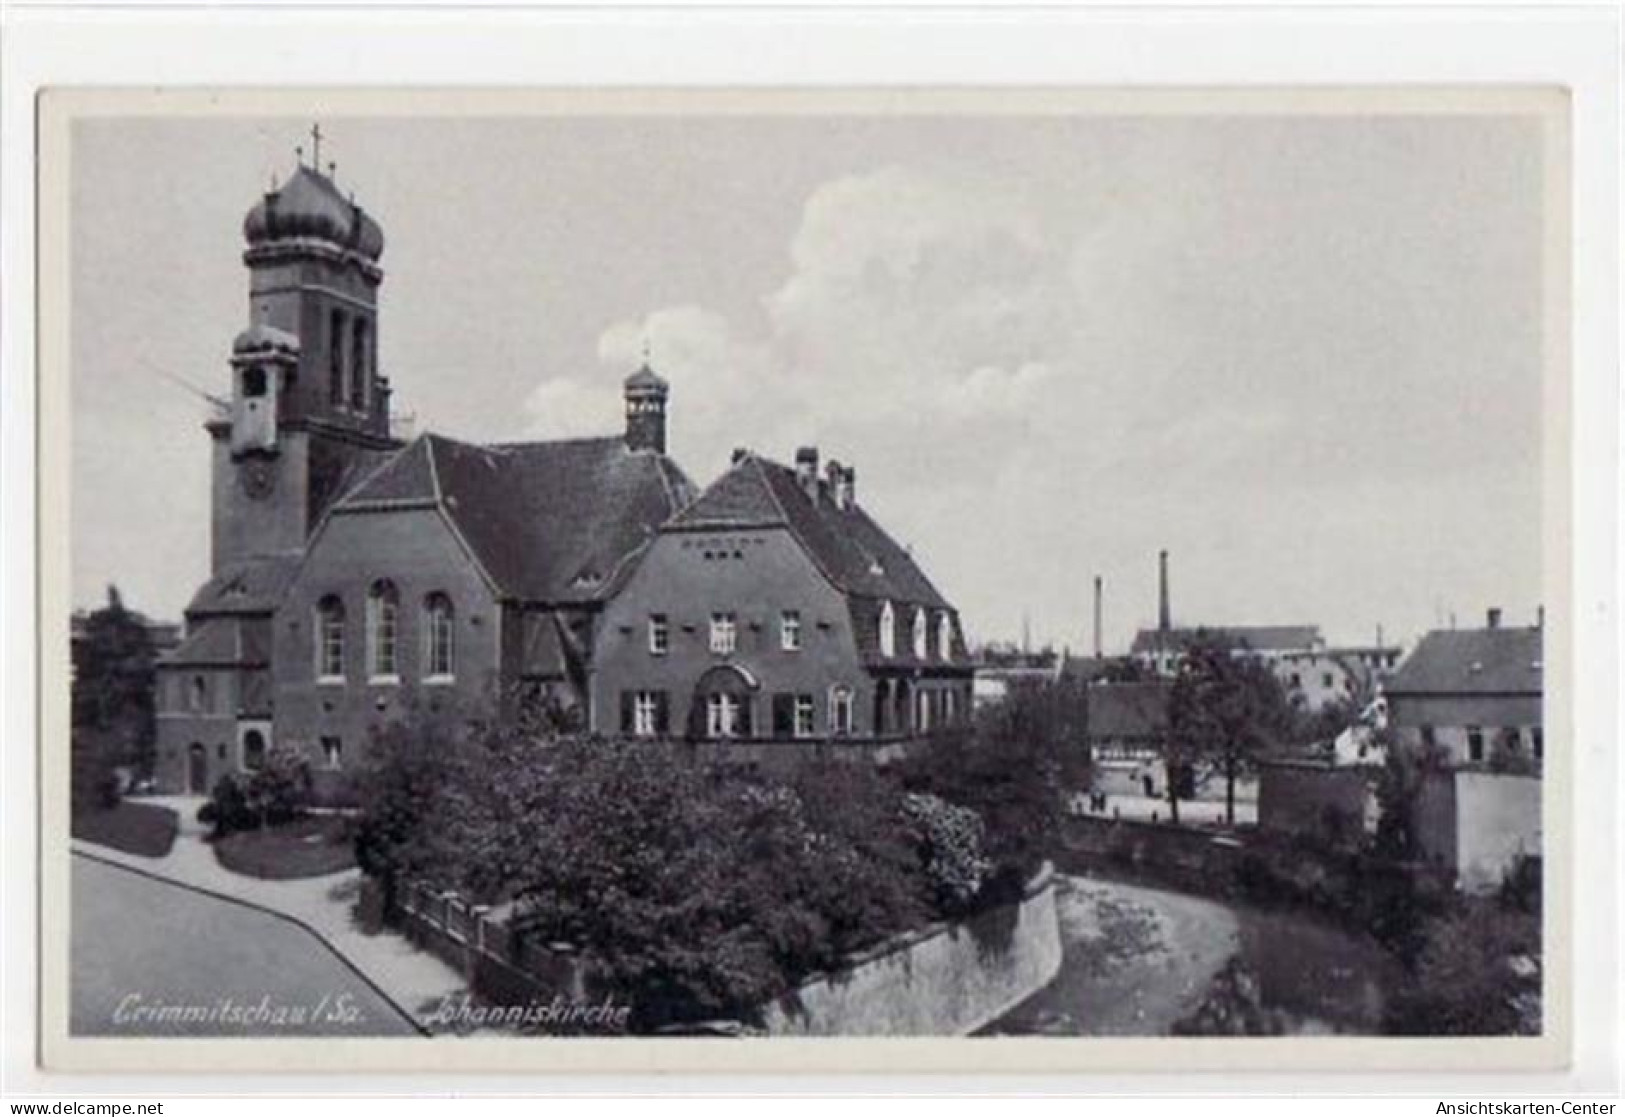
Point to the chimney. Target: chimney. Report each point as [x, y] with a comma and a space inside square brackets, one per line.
[1540, 616]
[740, 454]
[1493, 618]
[841, 483]
[807, 471]
[1164, 619]
[1097, 616]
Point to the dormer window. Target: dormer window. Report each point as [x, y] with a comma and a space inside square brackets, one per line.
[888, 630]
[919, 635]
[253, 382]
[945, 637]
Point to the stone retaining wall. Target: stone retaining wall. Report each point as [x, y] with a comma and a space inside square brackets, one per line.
[945, 979]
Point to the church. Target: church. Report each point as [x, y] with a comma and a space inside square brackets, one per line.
[359, 581]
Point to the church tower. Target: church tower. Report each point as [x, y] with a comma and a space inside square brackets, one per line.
[308, 406]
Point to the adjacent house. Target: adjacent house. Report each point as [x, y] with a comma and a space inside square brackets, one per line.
[774, 608]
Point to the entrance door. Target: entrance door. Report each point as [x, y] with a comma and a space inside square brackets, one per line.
[197, 770]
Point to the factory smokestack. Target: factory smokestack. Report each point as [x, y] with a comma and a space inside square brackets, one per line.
[1164, 619]
[1097, 616]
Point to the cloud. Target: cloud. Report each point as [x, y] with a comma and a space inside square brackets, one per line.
[910, 304]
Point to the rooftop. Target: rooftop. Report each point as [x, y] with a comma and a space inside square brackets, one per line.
[1472, 661]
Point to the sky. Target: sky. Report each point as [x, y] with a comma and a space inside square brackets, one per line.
[1301, 354]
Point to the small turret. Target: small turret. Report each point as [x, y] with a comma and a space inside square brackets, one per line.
[646, 396]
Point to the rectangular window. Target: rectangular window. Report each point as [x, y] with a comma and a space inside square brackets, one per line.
[645, 708]
[332, 753]
[804, 725]
[790, 630]
[1428, 739]
[724, 633]
[1537, 741]
[659, 634]
[1475, 744]
[1326, 680]
[840, 711]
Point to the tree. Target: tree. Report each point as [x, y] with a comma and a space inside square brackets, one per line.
[114, 721]
[1226, 710]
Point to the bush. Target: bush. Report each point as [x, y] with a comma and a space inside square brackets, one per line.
[951, 842]
[278, 792]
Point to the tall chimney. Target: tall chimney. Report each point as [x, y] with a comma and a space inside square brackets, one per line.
[807, 471]
[1164, 619]
[1097, 616]
[1540, 616]
[1493, 618]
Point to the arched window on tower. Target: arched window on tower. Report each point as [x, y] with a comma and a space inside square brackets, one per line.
[359, 364]
[330, 639]
[253, 382]
[383, 615]
[888, 630]
[439, 634]
[336, 388]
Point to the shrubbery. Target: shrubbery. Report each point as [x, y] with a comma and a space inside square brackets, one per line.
[698, 892]
[277, 792]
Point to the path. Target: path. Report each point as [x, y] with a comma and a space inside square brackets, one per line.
[413, 979]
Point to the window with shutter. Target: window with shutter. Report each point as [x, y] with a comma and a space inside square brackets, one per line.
[783, 715]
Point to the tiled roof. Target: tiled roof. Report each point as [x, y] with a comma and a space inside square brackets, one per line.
[213, 643]
[252, 585]
[853, 551]
[548, 521]
[1128, 710]
[1259, 638]
[1472, 661]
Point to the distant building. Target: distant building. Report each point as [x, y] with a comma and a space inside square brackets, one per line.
[1162, 649]
[1472, 694]
[1128, 731]
[1001, 669]
[1470, 699]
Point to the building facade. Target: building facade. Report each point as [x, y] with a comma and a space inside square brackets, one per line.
[1472, 696]
[774, 609]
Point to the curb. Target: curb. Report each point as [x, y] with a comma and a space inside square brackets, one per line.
[284, 916]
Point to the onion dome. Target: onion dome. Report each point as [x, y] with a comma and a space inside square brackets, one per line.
[260, 338]
[309, 206]
[645, 381]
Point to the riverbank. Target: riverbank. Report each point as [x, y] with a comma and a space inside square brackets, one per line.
[1138, 961]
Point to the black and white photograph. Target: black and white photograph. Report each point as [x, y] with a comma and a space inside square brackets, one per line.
[834, 573]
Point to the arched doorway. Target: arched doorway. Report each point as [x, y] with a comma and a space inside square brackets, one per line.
[253, 750]
[724, 705]
[197, 769]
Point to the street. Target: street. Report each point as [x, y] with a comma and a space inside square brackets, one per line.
[154, 958]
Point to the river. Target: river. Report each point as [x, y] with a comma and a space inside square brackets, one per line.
[1148, 961]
